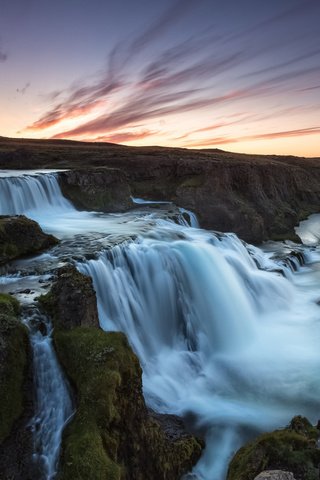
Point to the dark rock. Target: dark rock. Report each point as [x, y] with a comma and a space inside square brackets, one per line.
[101, 190]
[72, 300]
[21, 236]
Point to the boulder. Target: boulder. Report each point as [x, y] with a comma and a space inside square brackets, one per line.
[21, 236]
[72, 300]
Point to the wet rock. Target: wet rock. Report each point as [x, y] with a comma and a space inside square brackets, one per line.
[72, 300]
[21, 236]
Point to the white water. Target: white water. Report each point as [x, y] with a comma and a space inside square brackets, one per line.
[53, 405]
[231, 347]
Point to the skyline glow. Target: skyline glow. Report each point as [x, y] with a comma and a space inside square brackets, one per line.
[242, 75]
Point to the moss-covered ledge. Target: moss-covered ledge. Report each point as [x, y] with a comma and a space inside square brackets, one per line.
[293, 449]
[21, 236]
[13, 363]
[112, 435]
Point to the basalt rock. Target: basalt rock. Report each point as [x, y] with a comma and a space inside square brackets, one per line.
[112, 436]
[293, 449]
[21, 236]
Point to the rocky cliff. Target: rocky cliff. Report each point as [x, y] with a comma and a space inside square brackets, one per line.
[257, 197]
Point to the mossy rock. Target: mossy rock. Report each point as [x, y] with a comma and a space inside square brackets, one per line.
[21, 236]
[13, 362]
[71, 301]
[112, 436]
[293, 449]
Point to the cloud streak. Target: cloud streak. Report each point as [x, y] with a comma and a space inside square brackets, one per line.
[223, 140]
[146, 81]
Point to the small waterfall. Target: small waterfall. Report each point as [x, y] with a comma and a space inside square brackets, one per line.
[53, 405]
[30, 194]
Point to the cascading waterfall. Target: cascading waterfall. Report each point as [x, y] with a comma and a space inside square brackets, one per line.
[53, 405]
[31, 195]
[218, 338]
[227, 336]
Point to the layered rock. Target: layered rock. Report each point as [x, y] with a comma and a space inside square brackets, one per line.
[21, 236]
[293, 449]
[112, 435]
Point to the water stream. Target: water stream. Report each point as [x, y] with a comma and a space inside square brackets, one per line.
[227, 333]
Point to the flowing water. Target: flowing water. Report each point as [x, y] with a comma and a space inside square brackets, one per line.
[227, 333]
[53, 405]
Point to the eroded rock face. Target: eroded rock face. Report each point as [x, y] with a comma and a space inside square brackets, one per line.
[112, 435]
[21, 236]
[256, 200]
[275, 475]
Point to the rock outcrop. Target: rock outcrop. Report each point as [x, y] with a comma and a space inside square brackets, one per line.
[112, 436]
[72, 300]
[21, 236]
[293, 449]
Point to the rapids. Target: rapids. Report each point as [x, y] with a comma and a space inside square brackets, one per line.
[227, 333]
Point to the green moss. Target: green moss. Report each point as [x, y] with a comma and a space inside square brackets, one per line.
[97, 363]
[9, 304]
[13, 356]
[292, 449]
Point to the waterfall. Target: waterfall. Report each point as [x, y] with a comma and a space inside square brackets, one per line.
[53, 405]
[227, 334]
[31, 194]
[219, 339]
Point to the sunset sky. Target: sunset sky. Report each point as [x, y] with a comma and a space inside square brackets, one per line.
[241, 75]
